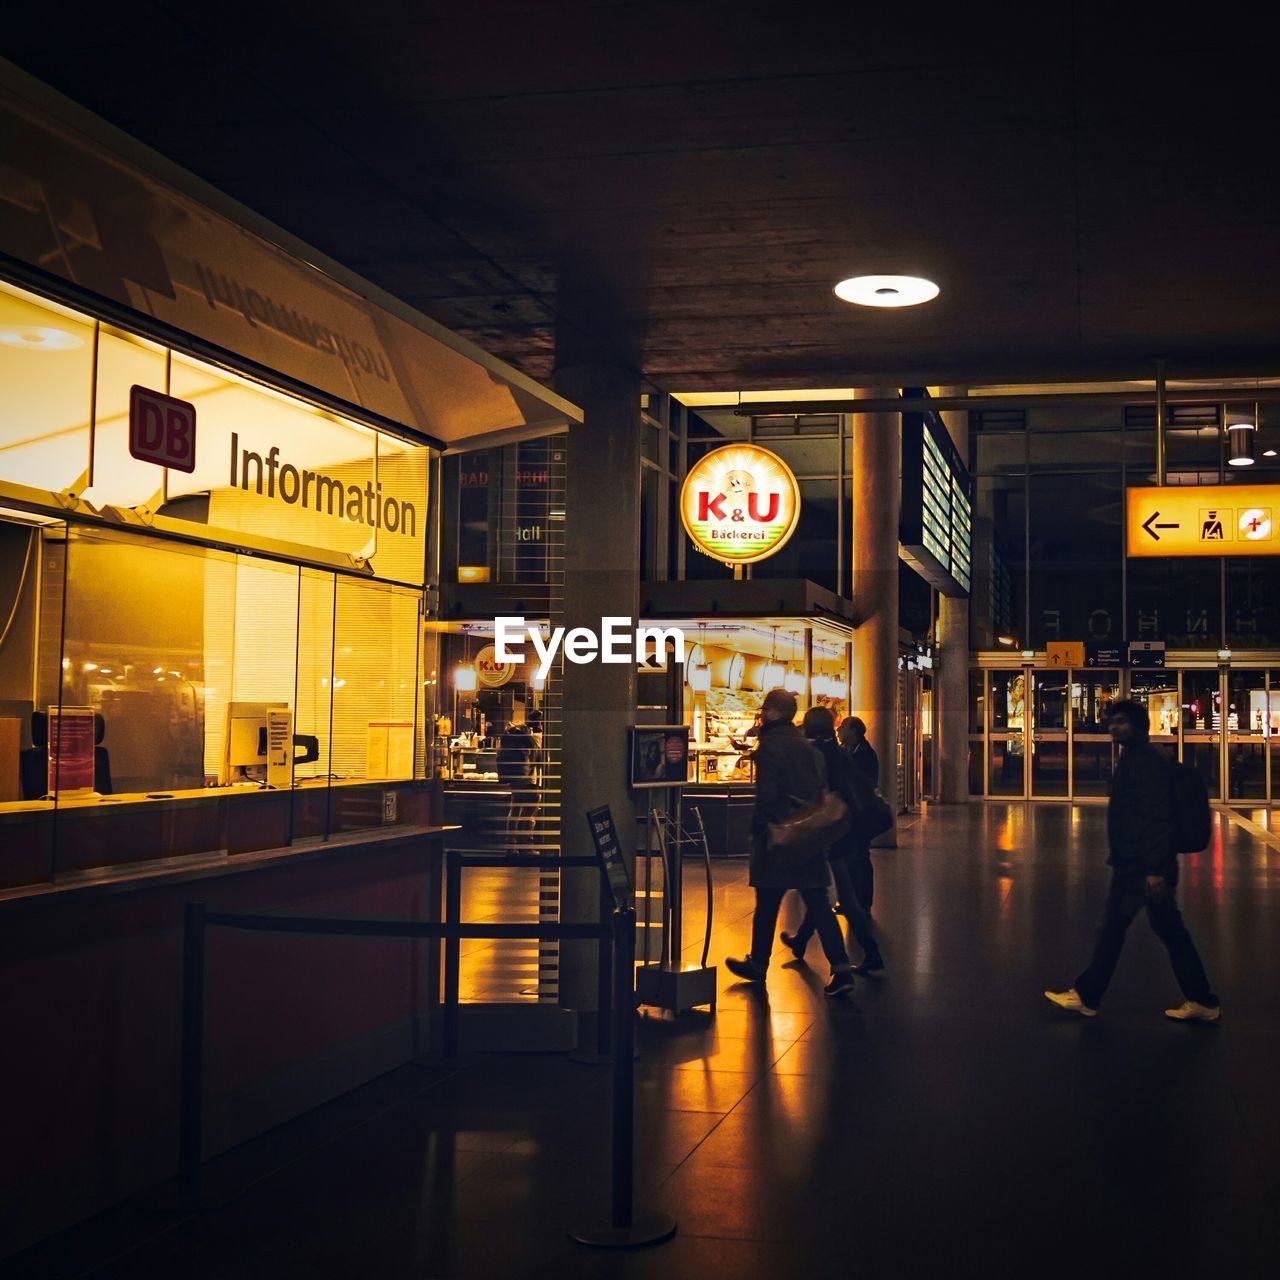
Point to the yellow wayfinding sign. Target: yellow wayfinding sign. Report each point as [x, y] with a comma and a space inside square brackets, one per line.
[1204, 520]
[1065, 653]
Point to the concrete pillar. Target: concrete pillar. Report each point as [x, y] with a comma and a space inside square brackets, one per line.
[951, 679]
[602, 578]
[877, 479]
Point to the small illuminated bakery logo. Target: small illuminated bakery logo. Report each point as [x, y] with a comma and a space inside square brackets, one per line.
[740, 503]
[490, 672]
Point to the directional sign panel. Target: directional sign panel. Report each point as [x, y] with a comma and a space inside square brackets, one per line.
[1065, 653]
[1205, 520]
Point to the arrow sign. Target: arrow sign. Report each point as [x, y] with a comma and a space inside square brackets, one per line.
[1150, 520]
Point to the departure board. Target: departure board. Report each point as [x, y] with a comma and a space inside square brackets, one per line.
[935, 526]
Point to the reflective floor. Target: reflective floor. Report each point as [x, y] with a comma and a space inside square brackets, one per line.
[946, 1121]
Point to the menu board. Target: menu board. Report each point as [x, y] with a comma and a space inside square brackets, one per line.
[936, 520]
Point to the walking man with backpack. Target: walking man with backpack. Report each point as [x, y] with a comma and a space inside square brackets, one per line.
[1144, 838]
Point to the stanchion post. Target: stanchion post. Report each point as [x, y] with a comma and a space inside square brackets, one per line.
[604, 983]
[624, 1067]
[626, 1230]
[191, 1108]
[452, 953]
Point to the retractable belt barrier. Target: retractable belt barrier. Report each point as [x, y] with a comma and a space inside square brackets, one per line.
[616, 935]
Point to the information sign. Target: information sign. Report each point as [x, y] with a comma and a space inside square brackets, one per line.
[1204, 520]
[279, 748]
[1104, 655]
[935, 517]
[70, 750]
[609, 851]
[1146, 653]
[1065, 653]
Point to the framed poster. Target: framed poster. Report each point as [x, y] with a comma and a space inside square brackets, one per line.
[659, 755]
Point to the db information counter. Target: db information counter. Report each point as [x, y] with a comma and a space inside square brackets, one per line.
[216, 517]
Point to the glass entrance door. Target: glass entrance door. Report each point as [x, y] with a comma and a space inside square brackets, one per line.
[1159, 692]
[1007, 737]
[1092, 751]
[1248, 729]
[1202, 726]
[1049, 755]
[1271, 726]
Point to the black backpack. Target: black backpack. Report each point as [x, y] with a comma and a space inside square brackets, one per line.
[1192, 817]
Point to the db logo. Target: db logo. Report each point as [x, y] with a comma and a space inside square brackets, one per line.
[162, 429]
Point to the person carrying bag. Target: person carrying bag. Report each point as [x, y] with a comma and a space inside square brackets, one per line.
[859, 800]
[791, 826]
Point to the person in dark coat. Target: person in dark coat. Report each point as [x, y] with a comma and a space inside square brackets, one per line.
[517, 763]
[819, 727]
[1144, 873]
[789, 775]
[862, 755]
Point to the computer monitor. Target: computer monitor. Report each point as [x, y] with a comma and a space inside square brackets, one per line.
[245, 746]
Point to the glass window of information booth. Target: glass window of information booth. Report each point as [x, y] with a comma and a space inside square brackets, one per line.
[205, 658]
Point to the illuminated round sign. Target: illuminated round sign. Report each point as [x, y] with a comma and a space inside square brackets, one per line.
[740, 503]
[1255, 524]
[492, 673]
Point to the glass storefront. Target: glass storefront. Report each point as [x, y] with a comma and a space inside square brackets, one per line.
[1186, 709]
[198, 658]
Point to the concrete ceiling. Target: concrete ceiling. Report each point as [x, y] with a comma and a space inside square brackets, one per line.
[678, 185]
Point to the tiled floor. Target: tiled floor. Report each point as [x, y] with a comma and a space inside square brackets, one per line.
[945, 1122]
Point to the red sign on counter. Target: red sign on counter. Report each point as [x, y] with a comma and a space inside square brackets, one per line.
[70, 749]
[162, 429]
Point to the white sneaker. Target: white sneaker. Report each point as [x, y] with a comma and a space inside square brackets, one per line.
[1071, 1000]
[1190, 1011]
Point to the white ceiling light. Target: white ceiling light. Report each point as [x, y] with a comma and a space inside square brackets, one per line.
[1240, 443]
[887, 291]
[36, 337]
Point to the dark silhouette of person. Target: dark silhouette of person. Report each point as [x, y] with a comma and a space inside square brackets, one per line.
[862, 755]
[517, 769]
[1144, 873]
[790, 774]
[819, 727]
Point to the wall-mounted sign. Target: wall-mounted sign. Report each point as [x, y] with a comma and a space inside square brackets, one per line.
[147, 245]
[1104, 655]
[1064, 653]
[934, 524]
[491, 673]
[162, 429]
[1204, 520]
[1146, 653]
[740, 503]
